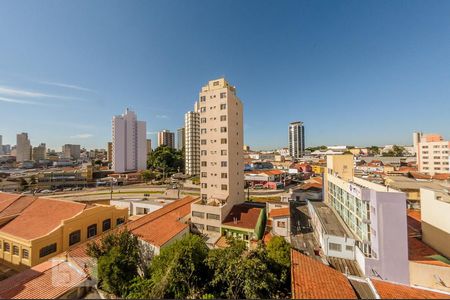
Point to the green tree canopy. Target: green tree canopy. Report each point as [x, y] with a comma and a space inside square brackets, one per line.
[166, 159]
[148, 175]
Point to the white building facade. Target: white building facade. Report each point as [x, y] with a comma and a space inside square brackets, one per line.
[129, 143]
[192, 142]
[296, 139]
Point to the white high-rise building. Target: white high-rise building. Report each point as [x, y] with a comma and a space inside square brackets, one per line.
[192, 142]
[23, 147]
[432, 153]
[221, 156]
[129, 143]
[296, 139]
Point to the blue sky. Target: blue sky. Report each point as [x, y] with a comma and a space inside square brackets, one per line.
[356, 72]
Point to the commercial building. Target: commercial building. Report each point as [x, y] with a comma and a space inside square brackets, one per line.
[296, 139]
[435, 213]
[181, 138]
[192, 144]
[221, 157]
[375, 215]
[129, 138]
[432, 153]
[23, 147]
[71, 151]
[166, 138]
[39, 152]
[36, 229]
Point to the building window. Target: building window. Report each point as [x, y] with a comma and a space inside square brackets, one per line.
[223, 152]
[223, 163]
[198, 226]
[16, 250]
[223, 141]
[25, 253]
[47, 250]
[204, 163]
[204, 197]
[223, 118]
[6, 247]
[203, 152]
[202, 98]
[212, 228]
[223, 106]
[92, 230]
[203, 142]
[224, 187]
[198, 214]
[106, 225]
[203, 120]
[335, 247]
[224, 175]
[74, 237]
[203, 130]
[120, 221]
[204, 185]
[281, 224]
[223, 129]
[215, 83]
[204, 174]
[212, 216]
[349, 248]
[223, 95]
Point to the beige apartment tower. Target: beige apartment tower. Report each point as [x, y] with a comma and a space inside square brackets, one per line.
[192, 142]
[221, 157]
[166, 138]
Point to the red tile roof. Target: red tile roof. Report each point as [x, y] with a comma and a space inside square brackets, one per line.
[313, 280]
[42, 216]
[441, 176]
[418, 175]
[48, 280]
[279, 212]
[13, 204]
[246, 216]
[391, 290]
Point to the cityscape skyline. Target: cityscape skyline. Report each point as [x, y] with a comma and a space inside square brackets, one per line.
[369, 75]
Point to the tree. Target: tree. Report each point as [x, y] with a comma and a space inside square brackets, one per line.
[240, 273]
[279, 254]
[166, 160]
[375, 150]
[23, 184]
[148, 175]
[180, 270]
[119, 260]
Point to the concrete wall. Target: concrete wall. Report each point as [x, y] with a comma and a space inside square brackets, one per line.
[430, 276]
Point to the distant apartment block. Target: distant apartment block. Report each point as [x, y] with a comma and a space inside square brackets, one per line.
[109, 152]
[181, 133]
[296, 139]
[71, 151]
[23, 147]
[39, 152]
[221, 157]
[1, 145]
[432, 153]
[129, 143]
[149, 146]
[435, 214]
[375, 215]
[192, 144]
[166, 138]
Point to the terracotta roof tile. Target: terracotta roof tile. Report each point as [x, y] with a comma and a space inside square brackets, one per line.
[44, 281]
[47, 213]
[391, 290]
[12, 204]
[313, 280]
[246, 216]
[279, 212]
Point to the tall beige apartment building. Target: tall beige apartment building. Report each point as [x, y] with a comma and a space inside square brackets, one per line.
[39, 152]
[23, 147]
[221, 157]
[166, 138]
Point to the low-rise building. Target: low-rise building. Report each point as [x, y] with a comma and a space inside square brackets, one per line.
[36, 229]
[435, 212]
[279, 222]
[140, 206]
[334, 238]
